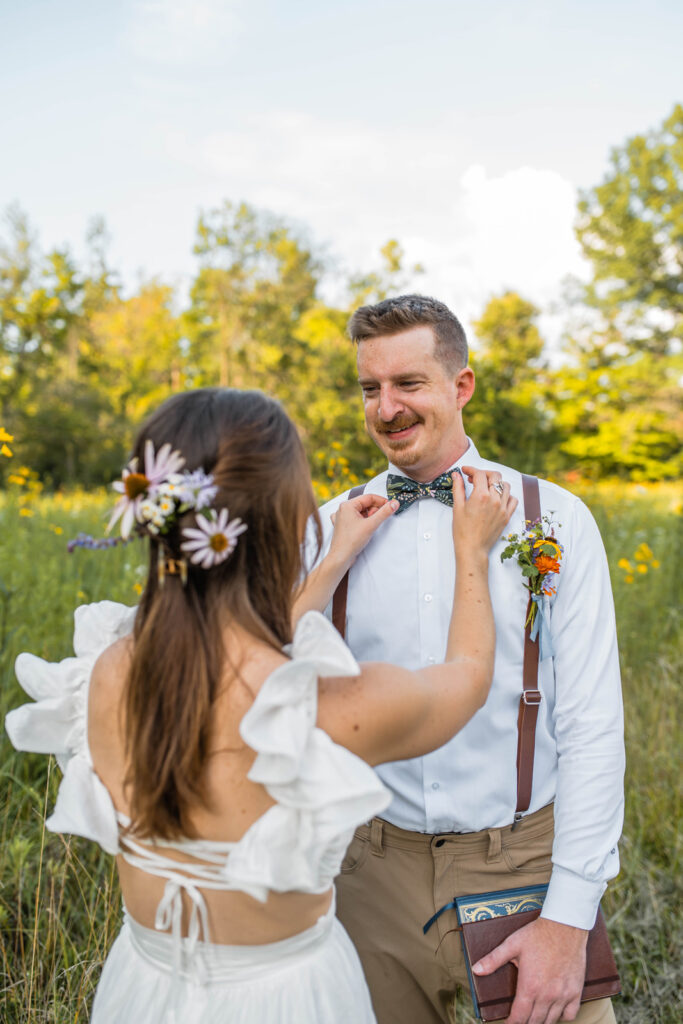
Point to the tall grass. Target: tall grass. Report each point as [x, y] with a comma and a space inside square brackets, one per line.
[59, 900]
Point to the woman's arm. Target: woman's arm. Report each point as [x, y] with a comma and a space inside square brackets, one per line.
[390, 713]
[354, 522]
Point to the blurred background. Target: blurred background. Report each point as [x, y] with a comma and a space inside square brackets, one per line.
[199, 193]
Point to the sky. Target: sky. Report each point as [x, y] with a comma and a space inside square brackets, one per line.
[463, 129]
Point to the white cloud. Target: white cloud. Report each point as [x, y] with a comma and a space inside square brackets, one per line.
[181, 31]
[356, 187]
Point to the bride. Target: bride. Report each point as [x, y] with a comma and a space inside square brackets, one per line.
[222, 758]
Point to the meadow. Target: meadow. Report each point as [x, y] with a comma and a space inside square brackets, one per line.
[59, 903]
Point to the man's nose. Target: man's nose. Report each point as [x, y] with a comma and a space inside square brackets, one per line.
[390, 405]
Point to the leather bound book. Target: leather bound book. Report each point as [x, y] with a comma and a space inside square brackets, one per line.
[488, 918]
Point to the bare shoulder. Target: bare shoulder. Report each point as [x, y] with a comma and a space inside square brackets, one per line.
[109, 674]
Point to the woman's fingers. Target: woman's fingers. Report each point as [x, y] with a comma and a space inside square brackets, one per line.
[368, 504]
[459, 497]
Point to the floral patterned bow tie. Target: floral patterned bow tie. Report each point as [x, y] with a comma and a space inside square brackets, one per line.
[406, 491]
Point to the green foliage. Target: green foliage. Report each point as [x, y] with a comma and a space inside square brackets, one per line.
[618, 407]
[623, 419]
[631, 229]
[510, 415]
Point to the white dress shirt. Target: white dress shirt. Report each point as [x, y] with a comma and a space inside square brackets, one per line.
[399, 605]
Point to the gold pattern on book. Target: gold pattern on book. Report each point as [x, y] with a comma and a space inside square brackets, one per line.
[482, 911]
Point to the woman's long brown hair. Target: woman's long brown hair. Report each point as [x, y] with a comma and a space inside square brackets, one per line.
[252, 449]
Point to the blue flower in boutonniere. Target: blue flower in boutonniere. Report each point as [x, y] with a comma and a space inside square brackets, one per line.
[538, 555]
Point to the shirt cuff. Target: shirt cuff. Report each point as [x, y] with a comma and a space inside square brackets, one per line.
[571, 899]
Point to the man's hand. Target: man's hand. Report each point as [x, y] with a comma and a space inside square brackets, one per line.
[551, 960]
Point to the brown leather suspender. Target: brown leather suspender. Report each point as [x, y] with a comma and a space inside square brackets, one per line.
[531, 695]
[341, 593]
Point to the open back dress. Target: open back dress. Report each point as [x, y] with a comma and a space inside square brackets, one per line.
[321, 790]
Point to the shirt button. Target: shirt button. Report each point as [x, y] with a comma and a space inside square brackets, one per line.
[431, 660]
[435, 785]
[428, 598]
[427, 535]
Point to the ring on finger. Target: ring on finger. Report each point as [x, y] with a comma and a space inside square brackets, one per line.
[498, 487]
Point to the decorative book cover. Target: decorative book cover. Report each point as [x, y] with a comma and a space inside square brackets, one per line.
[487, 918]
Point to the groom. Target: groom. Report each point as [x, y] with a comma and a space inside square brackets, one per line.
[451, 828]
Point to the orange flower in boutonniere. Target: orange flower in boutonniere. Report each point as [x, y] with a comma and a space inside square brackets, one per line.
[539, 555]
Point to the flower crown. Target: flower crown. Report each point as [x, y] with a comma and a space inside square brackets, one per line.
[153, 500]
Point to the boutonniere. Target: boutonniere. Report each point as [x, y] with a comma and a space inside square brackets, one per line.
[538, 555]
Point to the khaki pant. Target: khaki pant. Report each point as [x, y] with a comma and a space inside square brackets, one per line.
[392, 881]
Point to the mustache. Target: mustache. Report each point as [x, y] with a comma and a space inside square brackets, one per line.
[398, 423]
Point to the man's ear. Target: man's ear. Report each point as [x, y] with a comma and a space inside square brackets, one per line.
[464, 383]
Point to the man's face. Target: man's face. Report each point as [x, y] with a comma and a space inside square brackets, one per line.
[412, 402]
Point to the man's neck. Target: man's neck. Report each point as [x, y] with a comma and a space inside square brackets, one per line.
[424, 476]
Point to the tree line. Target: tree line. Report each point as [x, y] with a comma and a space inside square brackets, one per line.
[81, 365]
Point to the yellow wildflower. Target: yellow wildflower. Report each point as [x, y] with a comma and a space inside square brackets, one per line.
[4, 436]
[137, 587]
[14, 479]
[25, 512]
[642, 567]
[7, 452]
[624, 564]
[654, 564]
[57, 529]
[643, 553]
[629, 579]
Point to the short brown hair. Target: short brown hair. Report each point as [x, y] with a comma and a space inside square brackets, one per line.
[405, 311]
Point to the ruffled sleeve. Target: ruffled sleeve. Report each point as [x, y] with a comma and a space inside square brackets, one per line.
[322, 790]
[56, 723]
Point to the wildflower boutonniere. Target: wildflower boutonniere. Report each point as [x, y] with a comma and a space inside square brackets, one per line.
[538, 555]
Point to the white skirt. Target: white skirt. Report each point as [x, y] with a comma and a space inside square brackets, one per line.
[314, 977]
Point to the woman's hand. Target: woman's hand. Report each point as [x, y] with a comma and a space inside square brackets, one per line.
[355, 522]
[479, 520]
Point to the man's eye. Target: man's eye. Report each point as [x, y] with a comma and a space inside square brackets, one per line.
[368, 389]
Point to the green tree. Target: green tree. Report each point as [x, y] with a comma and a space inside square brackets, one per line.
[256, 280]
[619, 400]
[46, 306]
[631, 230]
[392, 277]
[508, 415]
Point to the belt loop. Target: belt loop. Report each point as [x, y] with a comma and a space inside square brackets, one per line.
[376, 827]
[494, 851]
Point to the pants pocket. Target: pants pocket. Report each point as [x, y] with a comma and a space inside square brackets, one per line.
[531, 855]
[356, 855]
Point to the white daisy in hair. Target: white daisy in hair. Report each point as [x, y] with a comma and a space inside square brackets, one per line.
[214, 540]
[135, 486]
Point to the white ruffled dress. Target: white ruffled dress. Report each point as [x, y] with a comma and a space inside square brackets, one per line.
[322, 792]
